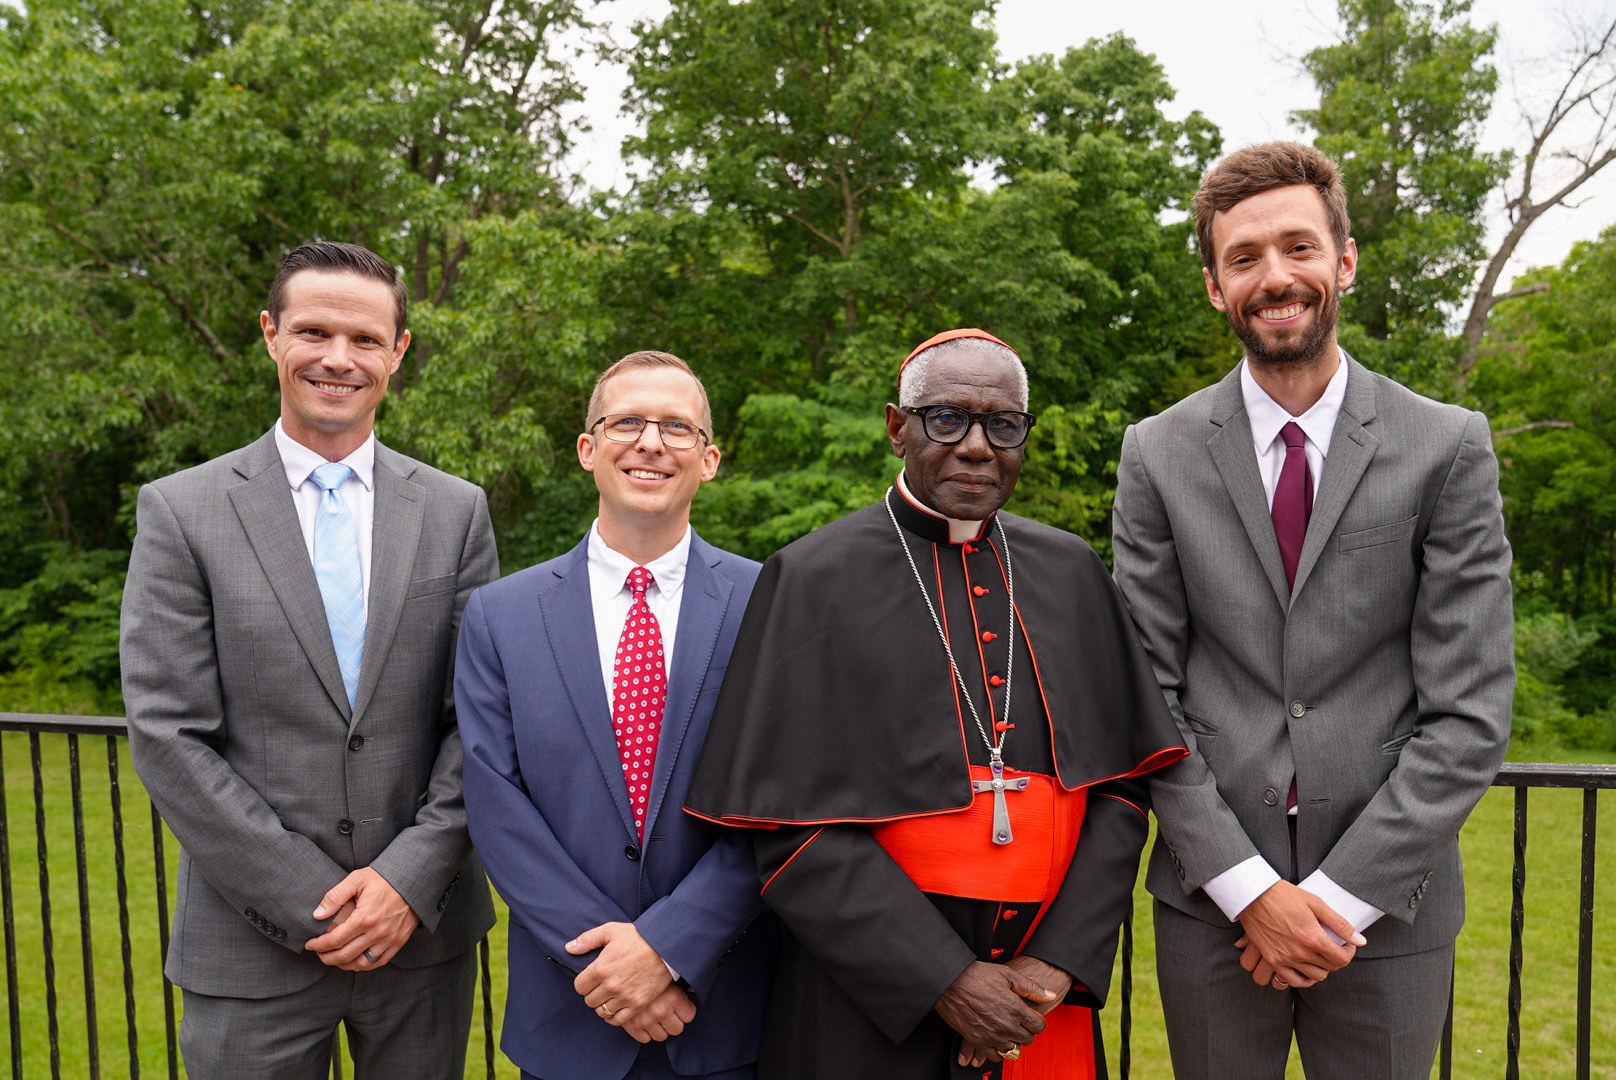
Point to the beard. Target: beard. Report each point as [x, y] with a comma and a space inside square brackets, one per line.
[1312, 344]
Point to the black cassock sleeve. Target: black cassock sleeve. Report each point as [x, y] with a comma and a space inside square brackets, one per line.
[1078, 933]
[855, 910]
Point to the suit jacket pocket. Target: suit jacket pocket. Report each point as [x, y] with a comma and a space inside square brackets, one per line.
[1396, 745]
[1201, 728]
[428, 586]
[1380, 534]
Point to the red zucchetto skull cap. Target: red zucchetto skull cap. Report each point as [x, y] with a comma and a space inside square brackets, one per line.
[953, 335]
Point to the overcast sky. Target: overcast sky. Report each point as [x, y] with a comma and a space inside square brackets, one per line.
[1237, 62]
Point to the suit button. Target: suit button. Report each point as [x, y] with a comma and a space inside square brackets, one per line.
[356, 742]
[1298, 709]
[280, 935]
[632, 852]
[345, 826]
[1270, 796]
[251, 914]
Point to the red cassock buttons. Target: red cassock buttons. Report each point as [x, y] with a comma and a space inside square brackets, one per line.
[1001, 726]
[996, 681]
[989, 635]
[979, 590]
[969, 550]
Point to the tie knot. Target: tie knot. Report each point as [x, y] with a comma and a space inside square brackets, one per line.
[331, 475]
[640, 579]
[1293, 436]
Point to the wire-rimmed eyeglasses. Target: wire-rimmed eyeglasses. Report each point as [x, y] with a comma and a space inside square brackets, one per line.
[949, 424]
[627, 428]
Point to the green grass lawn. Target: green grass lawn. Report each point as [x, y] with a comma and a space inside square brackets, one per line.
[1548, 1021]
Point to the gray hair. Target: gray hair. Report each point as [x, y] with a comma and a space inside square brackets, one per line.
[914, 385]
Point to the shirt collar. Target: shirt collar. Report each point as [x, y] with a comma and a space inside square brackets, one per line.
[668, 569]
[299, 461]
[922, 520]
[1266, 416]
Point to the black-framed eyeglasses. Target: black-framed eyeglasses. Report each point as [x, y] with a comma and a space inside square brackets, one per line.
[627, 428]
[949, 424]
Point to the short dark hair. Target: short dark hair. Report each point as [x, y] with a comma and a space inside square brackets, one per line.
[1261, 168]
[335, 257]
[647, 358]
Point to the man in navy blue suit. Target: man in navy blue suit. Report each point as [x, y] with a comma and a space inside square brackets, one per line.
[584, 687]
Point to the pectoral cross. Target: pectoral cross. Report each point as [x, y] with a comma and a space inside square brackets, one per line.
[999, 785]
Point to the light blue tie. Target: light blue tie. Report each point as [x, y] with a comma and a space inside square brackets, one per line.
[337, 569]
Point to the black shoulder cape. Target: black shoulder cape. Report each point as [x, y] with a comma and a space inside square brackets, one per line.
[838, 704]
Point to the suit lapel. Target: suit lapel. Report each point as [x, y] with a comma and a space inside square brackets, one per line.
[1352, 447]
[1236, 460]
[569, 623]
[268, 516]
[701, 616]
[400, 508]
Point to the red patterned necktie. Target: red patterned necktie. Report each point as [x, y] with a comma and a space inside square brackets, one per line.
[639, 693]
[1293, 500]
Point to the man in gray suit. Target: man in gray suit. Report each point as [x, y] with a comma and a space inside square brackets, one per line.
[288, 635]
[1315, 559]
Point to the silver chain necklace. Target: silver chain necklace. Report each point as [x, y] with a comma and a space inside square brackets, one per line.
[998, 785]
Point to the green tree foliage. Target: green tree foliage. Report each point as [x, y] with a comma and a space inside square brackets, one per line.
[1403, 96]
[808, 215]
[157, 160]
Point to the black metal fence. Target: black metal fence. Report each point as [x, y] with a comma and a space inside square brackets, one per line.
[140, 886]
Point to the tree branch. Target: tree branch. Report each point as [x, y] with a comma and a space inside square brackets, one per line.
[1533, 426]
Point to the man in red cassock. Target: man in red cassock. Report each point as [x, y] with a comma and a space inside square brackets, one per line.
[936, 719]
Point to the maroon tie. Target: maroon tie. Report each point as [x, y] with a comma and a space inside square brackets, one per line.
[639, 693]
[1293, 505]
[1293, 500]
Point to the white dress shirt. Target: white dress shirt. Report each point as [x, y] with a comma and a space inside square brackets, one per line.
[610, 597]
[1235, 888]
[358, 493]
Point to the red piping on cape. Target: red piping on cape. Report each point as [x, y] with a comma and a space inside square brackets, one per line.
[800, 849]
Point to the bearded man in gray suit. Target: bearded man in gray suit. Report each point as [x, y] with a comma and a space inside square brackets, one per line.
[288, 633]
[1315, 559]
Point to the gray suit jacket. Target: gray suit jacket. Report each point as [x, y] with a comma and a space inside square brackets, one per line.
[1383, 682]
[240, 727]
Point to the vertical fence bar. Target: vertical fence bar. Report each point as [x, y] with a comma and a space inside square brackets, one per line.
[488, 1004]
[115, 799]
[160, 864]
[1125, 1021]
[1517, 930]
[13, 999]
[86, 940]
[1446, 1057]
[1585, 934]
[47, 937]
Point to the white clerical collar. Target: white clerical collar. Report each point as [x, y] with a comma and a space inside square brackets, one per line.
[299, 461]
[667, 569]
[1266, 416]
[959, 531]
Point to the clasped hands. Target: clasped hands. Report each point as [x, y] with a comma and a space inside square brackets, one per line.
[628, 984]
[370, 922]
[997, 1007]
[1285, 943]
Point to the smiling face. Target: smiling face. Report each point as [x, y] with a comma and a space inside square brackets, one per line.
[972, 478]
[646, 488]
[334, 349]
[1279, 276]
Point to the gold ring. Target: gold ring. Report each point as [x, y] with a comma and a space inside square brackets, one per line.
[607, 1013]
[1012, 1053]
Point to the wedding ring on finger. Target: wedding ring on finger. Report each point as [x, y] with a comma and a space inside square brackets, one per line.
[372, 957]
[606, 1013]
[1279, 984]
[1012, 1053]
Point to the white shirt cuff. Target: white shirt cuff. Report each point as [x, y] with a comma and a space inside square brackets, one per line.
[1235, 888]
[1359, 913]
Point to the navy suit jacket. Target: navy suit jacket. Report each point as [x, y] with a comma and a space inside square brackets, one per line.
[549, 813]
